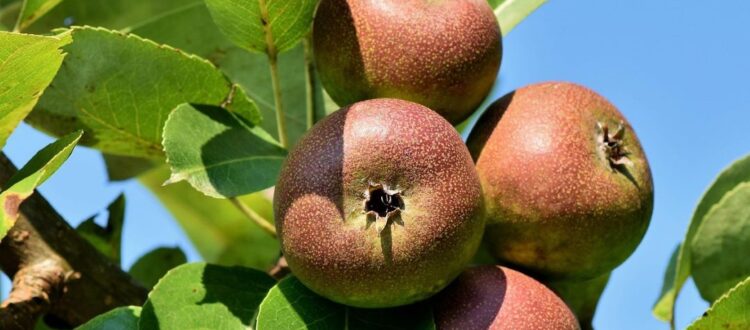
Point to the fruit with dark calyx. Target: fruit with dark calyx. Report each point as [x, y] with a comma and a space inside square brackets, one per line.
[379, 205]
[442, 54]
[494, 297]
[567, 185]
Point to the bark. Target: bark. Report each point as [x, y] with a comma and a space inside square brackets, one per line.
[55, 271]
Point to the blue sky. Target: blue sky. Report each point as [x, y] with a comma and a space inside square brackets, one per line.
[677, 70]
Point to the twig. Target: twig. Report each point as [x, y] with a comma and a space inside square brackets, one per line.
[39, 249]
[35, 288]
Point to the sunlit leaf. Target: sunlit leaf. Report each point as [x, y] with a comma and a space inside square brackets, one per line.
[121, 88]
[265, 25]
[511, 12]
[27, 65]
[218, 154]
[203, 296]
[22, 184]
[728, 312]
[121, 318]
[32, 10]
[291, 305]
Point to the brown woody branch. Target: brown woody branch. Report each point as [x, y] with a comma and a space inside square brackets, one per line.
[55, 271]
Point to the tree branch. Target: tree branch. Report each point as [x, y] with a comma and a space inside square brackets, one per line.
[35, 287]
[55, 271]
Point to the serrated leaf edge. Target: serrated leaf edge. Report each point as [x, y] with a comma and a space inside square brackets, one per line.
[723, 297]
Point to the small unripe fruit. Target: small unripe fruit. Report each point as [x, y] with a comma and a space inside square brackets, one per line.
[442, 54]
[497, 298]
[567, 185]
[379, 205]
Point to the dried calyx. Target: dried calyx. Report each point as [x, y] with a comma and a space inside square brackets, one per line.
[383, 202]
[612, 146]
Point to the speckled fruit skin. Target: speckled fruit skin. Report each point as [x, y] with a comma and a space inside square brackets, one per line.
[498, 298]
[325, 234]
[556, 208]
[442, 54]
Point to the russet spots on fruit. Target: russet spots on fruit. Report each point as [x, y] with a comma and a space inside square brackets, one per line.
[442, 54]
[498, 298]
[379, 205]
[574, 205]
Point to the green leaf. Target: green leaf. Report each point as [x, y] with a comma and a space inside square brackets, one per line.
[32, 10]
[291, 305]
[728, 312]
[218, 230]
[202, 296]
[111, 14]
[267, 26]
[511, 12]
[121, 318]
[719, 248]
[218, 154]
[252, 73]
[663, 306]
[106, 240]
[120, 168]
[192, 30]
[120, 89]
[27, 65]
[22, 184]
[9, 11]
[732, 176]
[152, 266]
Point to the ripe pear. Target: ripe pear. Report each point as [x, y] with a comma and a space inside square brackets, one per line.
[442, 54]
[498, 298]
[379, 205]
[567, 185]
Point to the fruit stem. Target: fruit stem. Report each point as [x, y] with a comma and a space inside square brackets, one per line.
[257, 218]
[310, 80]
[273, 63]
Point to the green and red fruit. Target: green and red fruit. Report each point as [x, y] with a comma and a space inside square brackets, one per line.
[567, 185]
[379, 205]
[442, 54]
[497, 298]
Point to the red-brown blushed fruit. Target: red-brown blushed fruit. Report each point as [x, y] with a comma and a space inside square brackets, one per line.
[497, 298]
[442, 54]
[379, 205]
[567, 185]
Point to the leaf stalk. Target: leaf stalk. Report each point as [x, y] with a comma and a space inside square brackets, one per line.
[262, 222]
